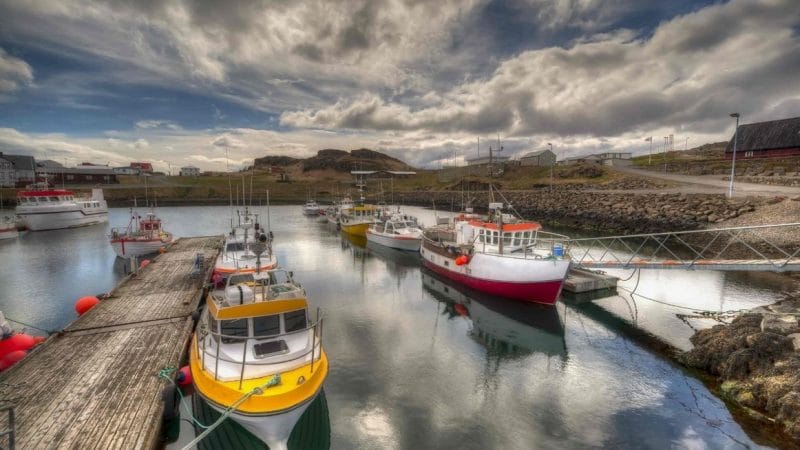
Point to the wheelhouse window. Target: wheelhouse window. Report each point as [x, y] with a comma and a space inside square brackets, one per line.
[507, 237]
[266, 326]
[232, 329]
[53, 199]
[295, 320]
[235, 247]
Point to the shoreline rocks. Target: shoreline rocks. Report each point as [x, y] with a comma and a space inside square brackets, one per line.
[756, 359]
[603, 211]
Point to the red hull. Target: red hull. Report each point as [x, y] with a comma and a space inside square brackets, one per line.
[544, 292]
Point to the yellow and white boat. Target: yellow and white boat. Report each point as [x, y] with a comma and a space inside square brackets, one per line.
[356, 220]
[256, 356]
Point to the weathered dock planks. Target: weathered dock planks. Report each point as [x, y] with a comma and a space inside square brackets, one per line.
[96, 385]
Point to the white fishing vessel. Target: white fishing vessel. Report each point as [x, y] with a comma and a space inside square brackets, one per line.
[311, 208]
[43, 208]
[502, 256]
[8, 227]
[334, 212]
[248, 247]
[257, 354]
[400, 231]
[142, 236]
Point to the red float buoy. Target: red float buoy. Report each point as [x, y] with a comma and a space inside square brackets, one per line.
[39, 339]
[461, 260]
[11, 359]
[184, 377]
[17, 342]
[144, 263]
[85, 304]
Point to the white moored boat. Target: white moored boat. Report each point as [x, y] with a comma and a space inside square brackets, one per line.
[311, 208]
[400, 231]
[140, 237]
[248, 247]
[41, 208]
[257, 355]
[8, 227]
[501, 256]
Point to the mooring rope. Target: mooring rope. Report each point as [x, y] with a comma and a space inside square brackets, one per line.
[31, 326]
[256, 390]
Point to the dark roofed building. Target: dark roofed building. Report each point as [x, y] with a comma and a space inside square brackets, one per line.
[776, 138]
[24, 168]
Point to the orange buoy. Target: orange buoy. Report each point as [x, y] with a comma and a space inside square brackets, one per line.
[461, 260]
[85, 304]
[11, 359]
[17, 342]
[38, 339]
[144, 263]
[184, 377]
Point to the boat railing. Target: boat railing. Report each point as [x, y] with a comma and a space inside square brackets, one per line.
[314, 330]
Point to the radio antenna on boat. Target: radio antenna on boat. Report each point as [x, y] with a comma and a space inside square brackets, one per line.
[269, 228]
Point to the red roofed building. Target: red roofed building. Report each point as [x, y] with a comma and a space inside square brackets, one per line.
[144, 167]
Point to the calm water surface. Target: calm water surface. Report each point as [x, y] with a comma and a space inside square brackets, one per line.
[419, 363]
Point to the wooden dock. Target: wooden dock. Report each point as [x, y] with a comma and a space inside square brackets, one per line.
[96, 385]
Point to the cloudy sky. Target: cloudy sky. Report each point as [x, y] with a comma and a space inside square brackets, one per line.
[182, 82]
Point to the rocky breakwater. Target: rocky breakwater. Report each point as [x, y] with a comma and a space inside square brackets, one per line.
[756, 360]
[606, 212]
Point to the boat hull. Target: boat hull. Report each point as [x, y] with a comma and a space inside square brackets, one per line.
[410, 244]
[274, 429]
[127, 248]
[55, 220]
[528, 280]
[356, 229]
[228, 265]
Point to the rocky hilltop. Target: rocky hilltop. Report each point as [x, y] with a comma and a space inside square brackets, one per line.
[337, 160]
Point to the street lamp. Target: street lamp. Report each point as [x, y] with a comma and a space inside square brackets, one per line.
[552, 163]
[733, 161]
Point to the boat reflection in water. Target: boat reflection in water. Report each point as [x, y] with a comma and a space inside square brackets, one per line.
[400, 258]
[312, 431]
[505, 327]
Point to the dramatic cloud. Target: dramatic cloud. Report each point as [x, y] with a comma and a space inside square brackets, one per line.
[14, 72]
[149, 124]
[421, 81]
[695, 69]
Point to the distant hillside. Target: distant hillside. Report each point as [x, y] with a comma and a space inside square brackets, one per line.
[276, 161]
[339, 161]
[709, 151]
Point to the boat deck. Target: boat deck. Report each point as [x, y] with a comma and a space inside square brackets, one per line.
[96, 384]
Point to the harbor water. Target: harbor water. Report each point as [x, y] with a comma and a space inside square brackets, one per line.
[416, 362]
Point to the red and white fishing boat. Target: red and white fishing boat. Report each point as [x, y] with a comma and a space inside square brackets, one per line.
[41, 208]
[142, 236]
[501, 256]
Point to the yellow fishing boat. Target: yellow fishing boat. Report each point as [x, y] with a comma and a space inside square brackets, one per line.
[256, 355]
[356, 220]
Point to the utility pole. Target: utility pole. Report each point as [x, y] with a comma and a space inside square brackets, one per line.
[650, 155]
[552, 163]
[733, 161]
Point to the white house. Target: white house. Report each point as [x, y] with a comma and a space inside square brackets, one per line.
[126, 171]
[540, 158]
[189, 171]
